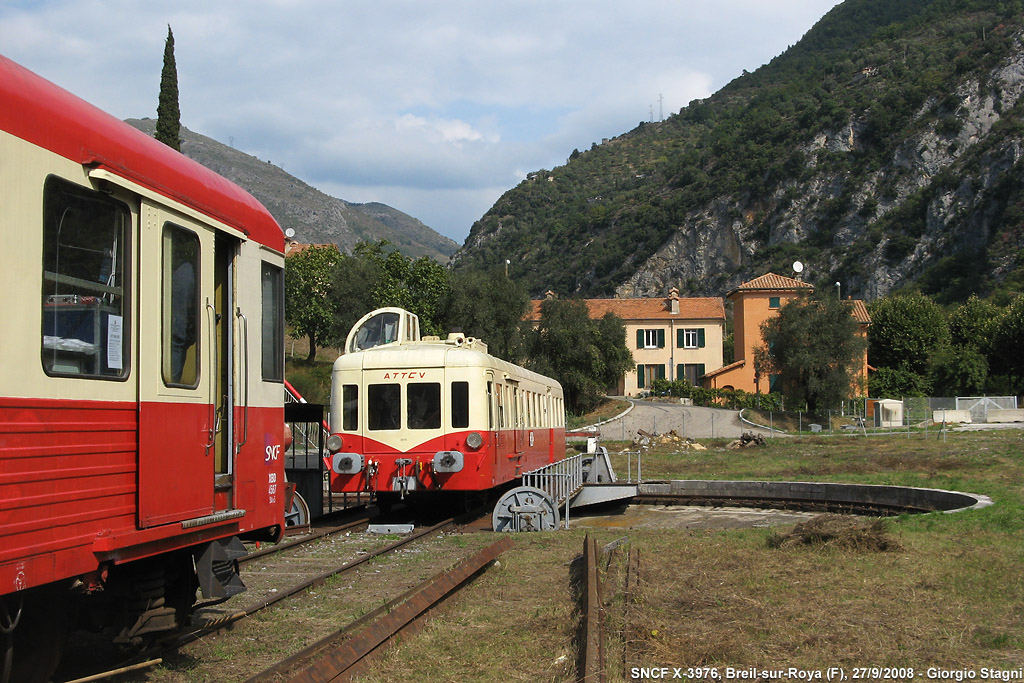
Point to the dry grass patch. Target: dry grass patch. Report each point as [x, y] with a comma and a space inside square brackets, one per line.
[839, 531]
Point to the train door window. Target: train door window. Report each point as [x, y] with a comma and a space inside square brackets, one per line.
[350, 407]
[490, 406]
[272, 328]
[423, 405]
[460, 405]
[84, 275]
[500, 394]
[384, 406]
[180, 303]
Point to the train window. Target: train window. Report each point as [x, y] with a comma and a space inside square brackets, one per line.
[490, 406]
[83, 299]
[350, 407]
[272, 328]
[180, 297]
[460, 404]
[380, 329]
[424, 405]
[384, 406]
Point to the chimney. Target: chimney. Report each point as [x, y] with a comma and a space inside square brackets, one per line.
[673, 300]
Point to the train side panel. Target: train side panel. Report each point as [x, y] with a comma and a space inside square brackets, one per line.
[78, 477]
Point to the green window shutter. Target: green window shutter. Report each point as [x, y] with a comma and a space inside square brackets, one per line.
[700, 370]
[661, 343]
[640, 339]
[640, 377]
[679, 338]
[680, 371]
[661, 372]
[700, 339]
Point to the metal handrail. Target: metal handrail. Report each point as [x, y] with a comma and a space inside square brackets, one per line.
[560, 480]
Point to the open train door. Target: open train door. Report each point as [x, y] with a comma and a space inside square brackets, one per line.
[186, 367]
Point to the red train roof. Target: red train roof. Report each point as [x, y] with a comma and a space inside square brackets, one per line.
[44, 114]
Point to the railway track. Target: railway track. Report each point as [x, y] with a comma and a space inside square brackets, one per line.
[355, 572]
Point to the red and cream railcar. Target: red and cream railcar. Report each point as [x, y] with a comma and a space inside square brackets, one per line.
[412, 415]
[141, 411]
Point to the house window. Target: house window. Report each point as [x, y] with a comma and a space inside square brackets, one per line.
[773, 302]
[650, 339]
[646, 374]
[690, 338]
[691, 372]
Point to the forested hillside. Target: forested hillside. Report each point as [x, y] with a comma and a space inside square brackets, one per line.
[884, 149]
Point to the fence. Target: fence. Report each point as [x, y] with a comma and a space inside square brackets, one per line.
[871, 416]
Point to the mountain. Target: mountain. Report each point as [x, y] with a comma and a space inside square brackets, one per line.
[883, 150]
[317, 218]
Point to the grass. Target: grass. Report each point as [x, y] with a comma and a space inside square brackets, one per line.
[944, 590]
[608, 409]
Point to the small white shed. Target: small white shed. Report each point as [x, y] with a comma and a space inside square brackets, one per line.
[888, 413]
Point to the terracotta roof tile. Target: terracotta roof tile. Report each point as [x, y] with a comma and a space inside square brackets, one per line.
[771, 281]
[860, 312]
[691, 308]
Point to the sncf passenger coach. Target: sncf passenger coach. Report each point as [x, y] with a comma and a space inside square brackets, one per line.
[412, 416]
[141, 412]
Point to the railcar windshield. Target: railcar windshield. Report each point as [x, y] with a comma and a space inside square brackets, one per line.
[380, 329]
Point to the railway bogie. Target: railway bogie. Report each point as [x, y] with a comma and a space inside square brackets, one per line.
[141, 416]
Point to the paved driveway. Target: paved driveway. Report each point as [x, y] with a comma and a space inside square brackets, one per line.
[661, 418]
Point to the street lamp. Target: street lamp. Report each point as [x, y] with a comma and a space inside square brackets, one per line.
[838, 293]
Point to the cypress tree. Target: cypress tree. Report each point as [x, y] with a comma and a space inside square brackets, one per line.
[168, 116]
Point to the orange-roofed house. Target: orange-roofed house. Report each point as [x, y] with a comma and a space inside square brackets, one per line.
[671, 338]
[754, 302]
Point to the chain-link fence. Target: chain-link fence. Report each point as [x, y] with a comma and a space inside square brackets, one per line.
[873, 416]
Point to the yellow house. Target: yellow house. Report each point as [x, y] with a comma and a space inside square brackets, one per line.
[671, 338]
[754, 302]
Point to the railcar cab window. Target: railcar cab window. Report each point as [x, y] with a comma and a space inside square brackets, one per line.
[384, 406]
[272, 327]
[423, 405]
[350, 407]
[85, 329]
[180, 301]
[460, 405]
[378, 330]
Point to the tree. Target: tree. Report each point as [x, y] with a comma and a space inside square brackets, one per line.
[393, 279]
[489, 306]
[813, 348]
[906, 330]
[973, 324]
[959, 371]
[582, 354]
[168, 116]
[308, 298]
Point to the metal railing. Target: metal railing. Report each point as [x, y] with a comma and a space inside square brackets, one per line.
[560, 480]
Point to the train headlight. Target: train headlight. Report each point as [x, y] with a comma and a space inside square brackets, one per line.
[334, 443]
[475, 440]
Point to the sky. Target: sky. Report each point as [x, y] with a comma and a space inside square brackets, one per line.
[433, 107]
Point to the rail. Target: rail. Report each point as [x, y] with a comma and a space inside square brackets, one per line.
[560, 480]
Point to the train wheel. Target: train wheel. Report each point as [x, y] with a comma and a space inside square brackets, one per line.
[33, 628]
[298, 513]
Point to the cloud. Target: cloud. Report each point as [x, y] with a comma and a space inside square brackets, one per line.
[440, 105]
